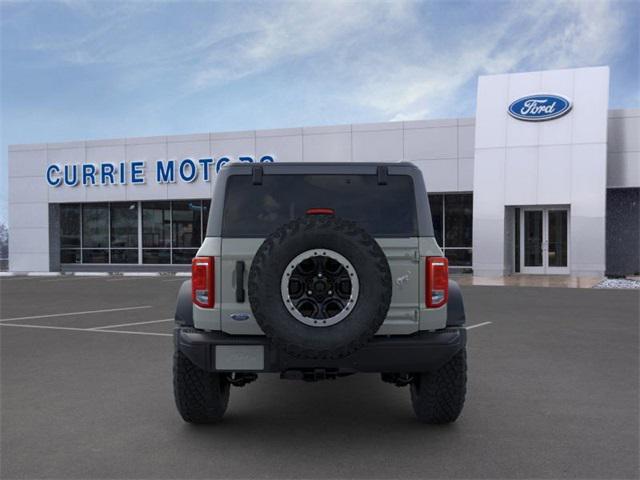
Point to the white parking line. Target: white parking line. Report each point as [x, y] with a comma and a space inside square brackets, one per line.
[478, 325]
[69, 278]
[49, 327]
[22, 278]
[132, 324]
[74, 313]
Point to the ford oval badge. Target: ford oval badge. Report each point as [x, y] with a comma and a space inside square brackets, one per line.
[240, 317]
[536, 108]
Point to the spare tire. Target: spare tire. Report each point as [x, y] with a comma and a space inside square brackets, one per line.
[320, 287]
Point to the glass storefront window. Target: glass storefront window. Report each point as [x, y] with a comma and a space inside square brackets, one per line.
[68, 255]
[90, 255]
[186, 218]
[183, 255]
[156, 232]
[458, 257]
[206, 204]
[558, 241]
[127, 255]
[69, 226]
[156, 255]
[124, 225]
[156, 224]
[95, 225]
[452, 215]
[172, 232]
[435, 205]
[533, 236]
[458, 211]
[124, 232]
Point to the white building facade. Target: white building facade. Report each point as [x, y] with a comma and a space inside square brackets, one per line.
[545, 179]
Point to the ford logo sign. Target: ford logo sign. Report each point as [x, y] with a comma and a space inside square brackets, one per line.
[536, 108]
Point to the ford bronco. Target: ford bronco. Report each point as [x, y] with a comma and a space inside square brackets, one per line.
[318, 271]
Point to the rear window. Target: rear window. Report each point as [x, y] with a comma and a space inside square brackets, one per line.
[257, 210]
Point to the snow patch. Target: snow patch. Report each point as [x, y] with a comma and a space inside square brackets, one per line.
[624, 283]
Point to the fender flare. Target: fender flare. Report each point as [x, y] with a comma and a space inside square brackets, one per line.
[184, 307]
[455, 306]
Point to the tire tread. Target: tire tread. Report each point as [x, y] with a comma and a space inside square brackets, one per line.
[338, 226]
[438, 397]
[201, 396]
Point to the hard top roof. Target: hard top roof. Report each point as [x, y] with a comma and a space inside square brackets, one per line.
[329, 165]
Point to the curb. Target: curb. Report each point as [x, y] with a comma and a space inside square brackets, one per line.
[89, 274]
[140, 274]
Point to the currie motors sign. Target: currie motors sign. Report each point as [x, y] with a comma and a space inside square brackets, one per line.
[540, 107]
[135, 172]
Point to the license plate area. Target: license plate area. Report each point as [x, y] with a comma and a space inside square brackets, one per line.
[239, 358]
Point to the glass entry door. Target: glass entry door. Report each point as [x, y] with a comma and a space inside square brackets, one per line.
[544, 244]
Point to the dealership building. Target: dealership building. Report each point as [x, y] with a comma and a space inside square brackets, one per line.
[545, 179]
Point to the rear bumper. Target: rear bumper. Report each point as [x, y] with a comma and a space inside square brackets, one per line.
[420, 352]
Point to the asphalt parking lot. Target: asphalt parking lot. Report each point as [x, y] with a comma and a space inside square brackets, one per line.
[86, 393]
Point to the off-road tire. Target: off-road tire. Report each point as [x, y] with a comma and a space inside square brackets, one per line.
[201, 396]
[316, 232]
[438, 397]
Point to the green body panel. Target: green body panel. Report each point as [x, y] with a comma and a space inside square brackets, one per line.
[407, 313]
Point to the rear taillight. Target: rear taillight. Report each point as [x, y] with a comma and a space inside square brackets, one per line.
[437, 282]
[202, 281]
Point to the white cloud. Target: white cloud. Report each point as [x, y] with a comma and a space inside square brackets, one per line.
[231, 41]
[531, 35]
[389, 57]
[294, 31]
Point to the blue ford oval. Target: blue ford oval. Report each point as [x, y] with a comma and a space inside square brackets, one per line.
[536, 108]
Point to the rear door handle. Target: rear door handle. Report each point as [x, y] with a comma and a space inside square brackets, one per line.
[240, 281]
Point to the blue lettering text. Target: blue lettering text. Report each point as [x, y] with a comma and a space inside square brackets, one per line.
[88, 174]
[137, 172]
[71, 175]
[106, 173]
[51, 180]
[165, 174]
[193, 170]
[206, 168]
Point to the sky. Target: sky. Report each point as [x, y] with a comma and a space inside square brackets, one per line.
[75, 70]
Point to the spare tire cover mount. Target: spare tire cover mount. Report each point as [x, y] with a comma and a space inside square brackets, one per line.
[320, 287]
[334, 313]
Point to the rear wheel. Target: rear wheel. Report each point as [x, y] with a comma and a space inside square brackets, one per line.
[201, 396]
[438, 397]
